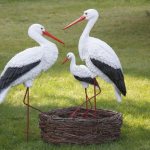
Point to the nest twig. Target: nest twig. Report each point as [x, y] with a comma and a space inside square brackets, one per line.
[57, 127]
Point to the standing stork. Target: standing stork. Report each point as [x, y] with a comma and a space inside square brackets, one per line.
[82, 74]
[25, 66]
[99, 56]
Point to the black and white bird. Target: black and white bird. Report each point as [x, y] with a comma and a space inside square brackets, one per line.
[99, 57]
[25, 66]
[82, 74]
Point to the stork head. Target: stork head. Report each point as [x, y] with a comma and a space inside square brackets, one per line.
[69, 56]
[87, 15]
[36, 29]
[90, 13]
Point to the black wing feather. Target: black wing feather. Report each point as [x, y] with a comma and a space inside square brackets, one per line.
[13, 73]
[115, 75]
[87, 80]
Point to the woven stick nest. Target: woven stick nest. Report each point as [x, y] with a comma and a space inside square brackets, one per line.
[58, 127]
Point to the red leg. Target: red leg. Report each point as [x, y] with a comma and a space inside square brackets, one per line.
[86, 96]
[27, 118]
[95, 96]
[28, 114]
[87, 99]
[27, 92]
[87, 110]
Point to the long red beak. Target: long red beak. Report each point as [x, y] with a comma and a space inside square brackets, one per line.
[75, 22]
[52, 36]
[65, 60]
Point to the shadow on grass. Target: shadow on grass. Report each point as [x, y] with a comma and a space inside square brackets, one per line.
[128, 106]
[12, 122]
[12, 127]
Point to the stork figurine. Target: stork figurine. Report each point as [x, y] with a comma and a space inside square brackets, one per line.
[82, 74]
[99, 57]
[25, 66]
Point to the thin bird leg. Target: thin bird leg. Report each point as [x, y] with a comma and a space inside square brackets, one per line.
[75, 112]
[87, 99]
[28, 104]
[87, 110]
[95, 96]
[27, 118]
[28, 115]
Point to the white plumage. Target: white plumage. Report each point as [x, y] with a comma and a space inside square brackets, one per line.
[85, 77]
[80, 72]
[26, 65]
[99, 56]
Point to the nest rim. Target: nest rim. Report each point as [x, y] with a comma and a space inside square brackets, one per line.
[107, 128]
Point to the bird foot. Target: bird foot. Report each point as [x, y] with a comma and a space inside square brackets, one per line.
[74, 113]
[88, 114]
[85, 114]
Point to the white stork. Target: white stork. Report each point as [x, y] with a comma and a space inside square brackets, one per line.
[28, 64]
[82, 74]
[99, 56]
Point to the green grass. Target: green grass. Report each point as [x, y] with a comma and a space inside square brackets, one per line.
[124, 24]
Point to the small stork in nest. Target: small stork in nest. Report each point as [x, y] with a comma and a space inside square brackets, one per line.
[82, 74]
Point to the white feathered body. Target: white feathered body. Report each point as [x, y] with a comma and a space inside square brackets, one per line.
[47, 54]
[99, 50]
[82, 72]
[28, 64]
[93, 48]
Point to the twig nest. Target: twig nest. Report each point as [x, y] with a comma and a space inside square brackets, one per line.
[58, 127]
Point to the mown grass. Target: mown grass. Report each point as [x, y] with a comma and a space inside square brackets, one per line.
[124, 24]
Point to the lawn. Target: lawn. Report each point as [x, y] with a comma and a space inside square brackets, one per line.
[124, 24]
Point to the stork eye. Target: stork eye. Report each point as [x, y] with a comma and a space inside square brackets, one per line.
[86, 13]
[41, 28]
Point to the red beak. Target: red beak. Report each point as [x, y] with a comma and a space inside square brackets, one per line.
[52, 36]
[75, 22]
[65, 60]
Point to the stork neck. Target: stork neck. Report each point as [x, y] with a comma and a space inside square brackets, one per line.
[73, 62]
[41, 40]
[88, 28]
